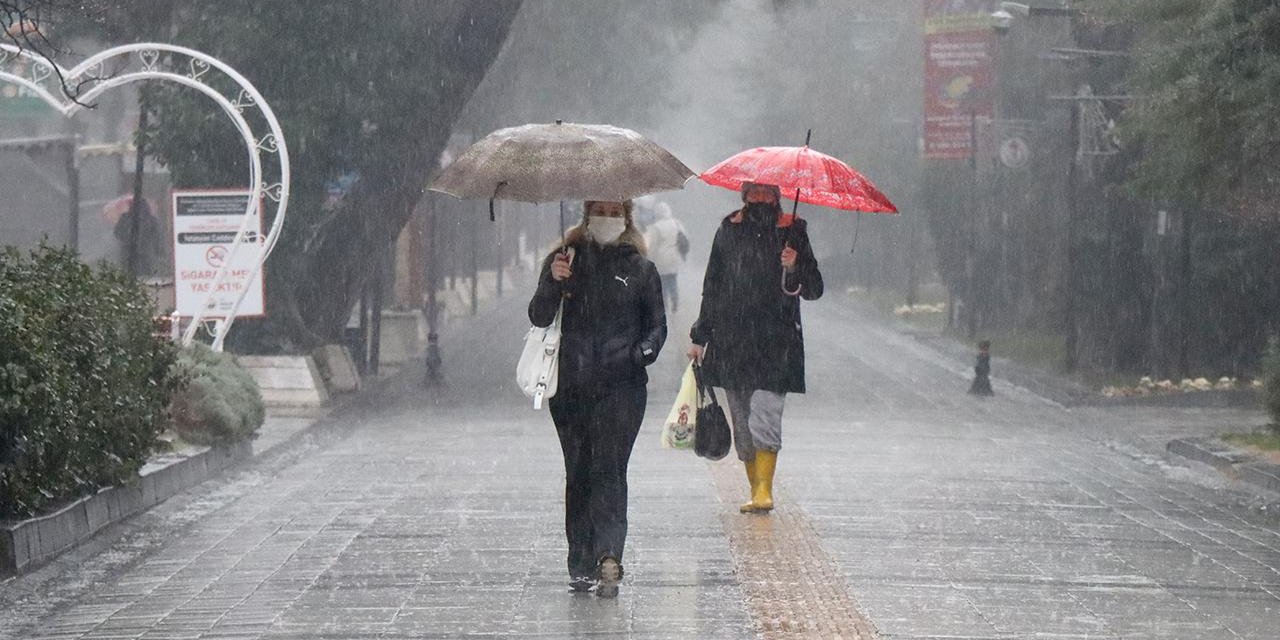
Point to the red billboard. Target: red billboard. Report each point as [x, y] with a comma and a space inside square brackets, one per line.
[959, 79]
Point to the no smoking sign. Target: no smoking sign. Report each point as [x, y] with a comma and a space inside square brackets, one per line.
[205, 224]
[216, 256]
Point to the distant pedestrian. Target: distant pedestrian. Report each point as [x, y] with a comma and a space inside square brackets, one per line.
[613, 326]
[982, 371]
[748, 333]
[148, 241]
[668, 248]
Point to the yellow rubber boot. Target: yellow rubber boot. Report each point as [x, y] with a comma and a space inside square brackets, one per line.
[754, 479]
[762, 492]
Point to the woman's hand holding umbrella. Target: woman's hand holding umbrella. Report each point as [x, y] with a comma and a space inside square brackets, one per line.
[789, 259]
[560, 270]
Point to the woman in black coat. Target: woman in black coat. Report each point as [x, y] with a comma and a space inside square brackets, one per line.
[613, 326]
[748, 334]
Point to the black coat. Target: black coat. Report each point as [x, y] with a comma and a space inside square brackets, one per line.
[614, 323]
[751, 329]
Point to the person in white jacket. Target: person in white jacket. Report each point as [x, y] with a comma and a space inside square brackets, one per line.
[668, 246]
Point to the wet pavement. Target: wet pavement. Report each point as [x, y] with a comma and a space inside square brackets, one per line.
[906, 506]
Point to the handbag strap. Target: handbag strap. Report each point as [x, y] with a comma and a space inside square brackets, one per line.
[571, 252]
[706, 395]
[559, 314]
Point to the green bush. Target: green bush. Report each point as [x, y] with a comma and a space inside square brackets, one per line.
[84, 385]
[1271, 381]
[220, 403]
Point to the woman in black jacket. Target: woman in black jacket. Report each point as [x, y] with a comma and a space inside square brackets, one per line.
[613, 326]
[749, 330]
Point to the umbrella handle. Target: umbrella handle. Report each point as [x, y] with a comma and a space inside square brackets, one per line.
[496, 188]
[786, 242]
[794, 293]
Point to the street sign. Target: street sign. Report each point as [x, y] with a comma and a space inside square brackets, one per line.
[204, 225]
[1015, 153]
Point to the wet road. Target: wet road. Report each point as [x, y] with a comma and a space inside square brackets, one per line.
[907, 509]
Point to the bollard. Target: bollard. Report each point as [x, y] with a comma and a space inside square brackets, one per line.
[434, 375]
[982, 371]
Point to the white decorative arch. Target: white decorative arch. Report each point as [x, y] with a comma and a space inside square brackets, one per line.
[122, 65]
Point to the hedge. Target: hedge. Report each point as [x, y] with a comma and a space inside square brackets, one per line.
[84, 385]
[219, 403]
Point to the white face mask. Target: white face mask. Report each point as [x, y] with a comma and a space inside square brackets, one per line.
[606, 230]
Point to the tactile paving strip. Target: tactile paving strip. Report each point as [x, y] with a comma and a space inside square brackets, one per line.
[793, 588]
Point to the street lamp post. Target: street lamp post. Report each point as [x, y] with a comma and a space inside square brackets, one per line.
[1070, 359]
[970, 263]
[433, 360]
[137, 208]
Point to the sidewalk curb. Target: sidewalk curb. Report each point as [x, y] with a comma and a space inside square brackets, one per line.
[27, 544]
[1236, 463]
[1070, 393]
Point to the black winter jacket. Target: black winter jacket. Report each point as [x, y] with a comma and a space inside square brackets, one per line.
[614, 322]
[750, 328]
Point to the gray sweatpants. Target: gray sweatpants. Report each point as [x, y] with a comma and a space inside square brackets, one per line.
[757, 420]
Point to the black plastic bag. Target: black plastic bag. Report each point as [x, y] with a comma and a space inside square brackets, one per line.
[712, 437]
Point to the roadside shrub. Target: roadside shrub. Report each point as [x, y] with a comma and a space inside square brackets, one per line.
[84, 385]
[1271, 382]
[219, 403]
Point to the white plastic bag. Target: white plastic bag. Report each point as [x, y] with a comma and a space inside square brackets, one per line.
[677, 432]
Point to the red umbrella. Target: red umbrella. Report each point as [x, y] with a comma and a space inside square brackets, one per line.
[112, 210]
[803, 175]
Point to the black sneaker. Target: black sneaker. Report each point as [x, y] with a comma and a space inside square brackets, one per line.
[610, 574]
[581, 584]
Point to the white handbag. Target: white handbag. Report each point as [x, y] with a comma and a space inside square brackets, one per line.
[539, 366]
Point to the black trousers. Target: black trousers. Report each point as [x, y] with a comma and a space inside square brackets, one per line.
[597, 430]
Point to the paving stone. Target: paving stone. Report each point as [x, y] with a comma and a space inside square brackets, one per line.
[902, 499]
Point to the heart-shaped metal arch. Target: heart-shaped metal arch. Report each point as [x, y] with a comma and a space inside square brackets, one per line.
[155, 61]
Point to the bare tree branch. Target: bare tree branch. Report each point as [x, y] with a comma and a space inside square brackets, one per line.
[24, 24]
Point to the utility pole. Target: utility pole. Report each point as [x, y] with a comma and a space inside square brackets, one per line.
[73, 191]
[136, 207]
[497, 253]
[1071, 359]
[375, 322]
[433, 360]
[971, 271]
[475, 263]
[1184, 296]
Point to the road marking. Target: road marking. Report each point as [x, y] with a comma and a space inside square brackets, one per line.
[793, 588]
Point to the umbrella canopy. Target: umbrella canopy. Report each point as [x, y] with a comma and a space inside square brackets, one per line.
[548, 162]
[802, 174]
[113, 210]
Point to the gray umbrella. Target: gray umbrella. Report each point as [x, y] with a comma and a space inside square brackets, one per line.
[548, 162]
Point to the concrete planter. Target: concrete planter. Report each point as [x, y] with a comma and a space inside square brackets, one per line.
[404, 335]
[287, 381]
